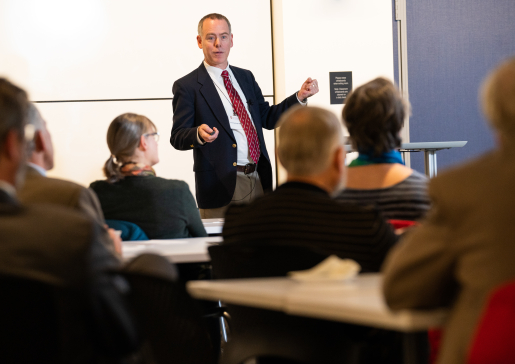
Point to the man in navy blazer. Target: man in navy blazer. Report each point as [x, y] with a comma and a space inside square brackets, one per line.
[208, 120]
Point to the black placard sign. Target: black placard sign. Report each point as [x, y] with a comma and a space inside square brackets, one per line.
[340, 84]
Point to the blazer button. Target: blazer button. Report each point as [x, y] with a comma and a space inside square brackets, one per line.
[234, 145]
[192, 146]
[235, 164]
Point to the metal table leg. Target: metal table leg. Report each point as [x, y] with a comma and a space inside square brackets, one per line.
[430, 163]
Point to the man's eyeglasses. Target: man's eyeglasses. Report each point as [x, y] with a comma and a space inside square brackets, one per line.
[155, 135]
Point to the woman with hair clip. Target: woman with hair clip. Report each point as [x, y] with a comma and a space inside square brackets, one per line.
[374, 115]
[162, 208]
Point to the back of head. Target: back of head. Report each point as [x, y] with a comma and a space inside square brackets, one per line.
[498, 98]
[374, 115]
[307, 138]
[13, 110]
[123, 137]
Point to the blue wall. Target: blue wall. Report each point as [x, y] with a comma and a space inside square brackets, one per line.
[451, 47]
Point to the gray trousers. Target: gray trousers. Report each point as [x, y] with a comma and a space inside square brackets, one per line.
[248, 188]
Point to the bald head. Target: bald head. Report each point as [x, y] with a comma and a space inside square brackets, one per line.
[308, 139]
[498, 99]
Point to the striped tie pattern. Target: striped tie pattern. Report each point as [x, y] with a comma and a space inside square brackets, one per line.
[239, 108]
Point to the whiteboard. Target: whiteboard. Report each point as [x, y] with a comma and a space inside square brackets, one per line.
[128, 52]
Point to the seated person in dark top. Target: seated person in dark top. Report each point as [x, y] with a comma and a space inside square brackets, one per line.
[374, 114]
[162, 208]
[301, 211]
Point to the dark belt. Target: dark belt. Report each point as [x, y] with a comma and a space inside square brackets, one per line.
[247, 168]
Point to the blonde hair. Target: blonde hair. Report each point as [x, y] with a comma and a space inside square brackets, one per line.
[498, 98]
[123, 137]
[307, 138]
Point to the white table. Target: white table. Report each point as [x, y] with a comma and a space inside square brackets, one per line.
[191, 250]
[430, 149]
[359, 301]
[213, 226]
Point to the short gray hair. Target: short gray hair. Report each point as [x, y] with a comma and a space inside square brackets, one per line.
[498, 98]
[212, 16]
[307, 138]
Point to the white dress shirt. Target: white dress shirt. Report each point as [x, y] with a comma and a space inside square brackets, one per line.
[215, 73]
[234, 121]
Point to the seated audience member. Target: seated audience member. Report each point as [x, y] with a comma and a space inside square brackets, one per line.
[162, 208]
[374, 114]
[49, 243]
[38, 188]
[465, 247]
[302, 211]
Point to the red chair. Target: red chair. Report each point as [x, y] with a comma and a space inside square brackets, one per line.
[494, 340]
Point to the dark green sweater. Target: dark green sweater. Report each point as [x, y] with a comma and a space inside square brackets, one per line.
[163, 208]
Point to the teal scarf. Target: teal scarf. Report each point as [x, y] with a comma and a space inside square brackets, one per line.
[365, 159]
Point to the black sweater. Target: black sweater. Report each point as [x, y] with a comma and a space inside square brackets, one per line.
[163, 208]
[302, 214]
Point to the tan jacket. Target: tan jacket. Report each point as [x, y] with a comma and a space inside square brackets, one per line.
[41, 189]
[464, 249]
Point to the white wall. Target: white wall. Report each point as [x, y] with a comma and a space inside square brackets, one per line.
[61, 50]
[313, 38]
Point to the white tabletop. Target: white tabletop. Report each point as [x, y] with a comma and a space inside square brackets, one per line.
[213, 226]
[191, 250]
[359, 301]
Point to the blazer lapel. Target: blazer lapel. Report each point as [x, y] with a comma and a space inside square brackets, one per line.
[208, 91]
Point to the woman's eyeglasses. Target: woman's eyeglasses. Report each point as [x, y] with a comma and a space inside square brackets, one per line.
[155, 135]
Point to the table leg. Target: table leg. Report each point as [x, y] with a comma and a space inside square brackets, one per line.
[416, 348]
[430, 163]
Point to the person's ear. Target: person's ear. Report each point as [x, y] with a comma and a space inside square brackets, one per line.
[339, 158]
[143, 145]
[199, 41]
[13, 147]
[39, 142]
[231, 41]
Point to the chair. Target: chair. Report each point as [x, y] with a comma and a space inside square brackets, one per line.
[130, 231]
[261, 260]
[494, 340]
[29, 322]
[270, 335]
[169, 319]
[43, 323]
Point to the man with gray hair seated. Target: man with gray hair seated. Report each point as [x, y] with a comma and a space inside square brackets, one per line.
[38, 188]
[302, 211]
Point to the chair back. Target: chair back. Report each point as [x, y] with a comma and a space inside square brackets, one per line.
[130, 231]
[29, 322]
[494, 340]
[248, 260]
[168, 318]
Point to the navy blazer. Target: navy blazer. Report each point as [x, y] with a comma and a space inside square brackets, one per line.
[196, 102]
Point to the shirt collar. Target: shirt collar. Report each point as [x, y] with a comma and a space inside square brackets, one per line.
[8, 188]
[41, 170]
[216, 72]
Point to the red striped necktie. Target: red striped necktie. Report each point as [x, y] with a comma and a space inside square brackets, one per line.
[239, 108]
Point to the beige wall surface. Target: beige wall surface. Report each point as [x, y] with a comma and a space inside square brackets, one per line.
[313, 38]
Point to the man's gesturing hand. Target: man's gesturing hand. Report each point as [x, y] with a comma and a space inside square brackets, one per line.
[308, 89]
[207, 134]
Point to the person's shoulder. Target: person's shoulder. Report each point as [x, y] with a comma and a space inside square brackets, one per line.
[485, 166]
[99, 184]
[188, 78]
[63, 185]
[417, 176]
